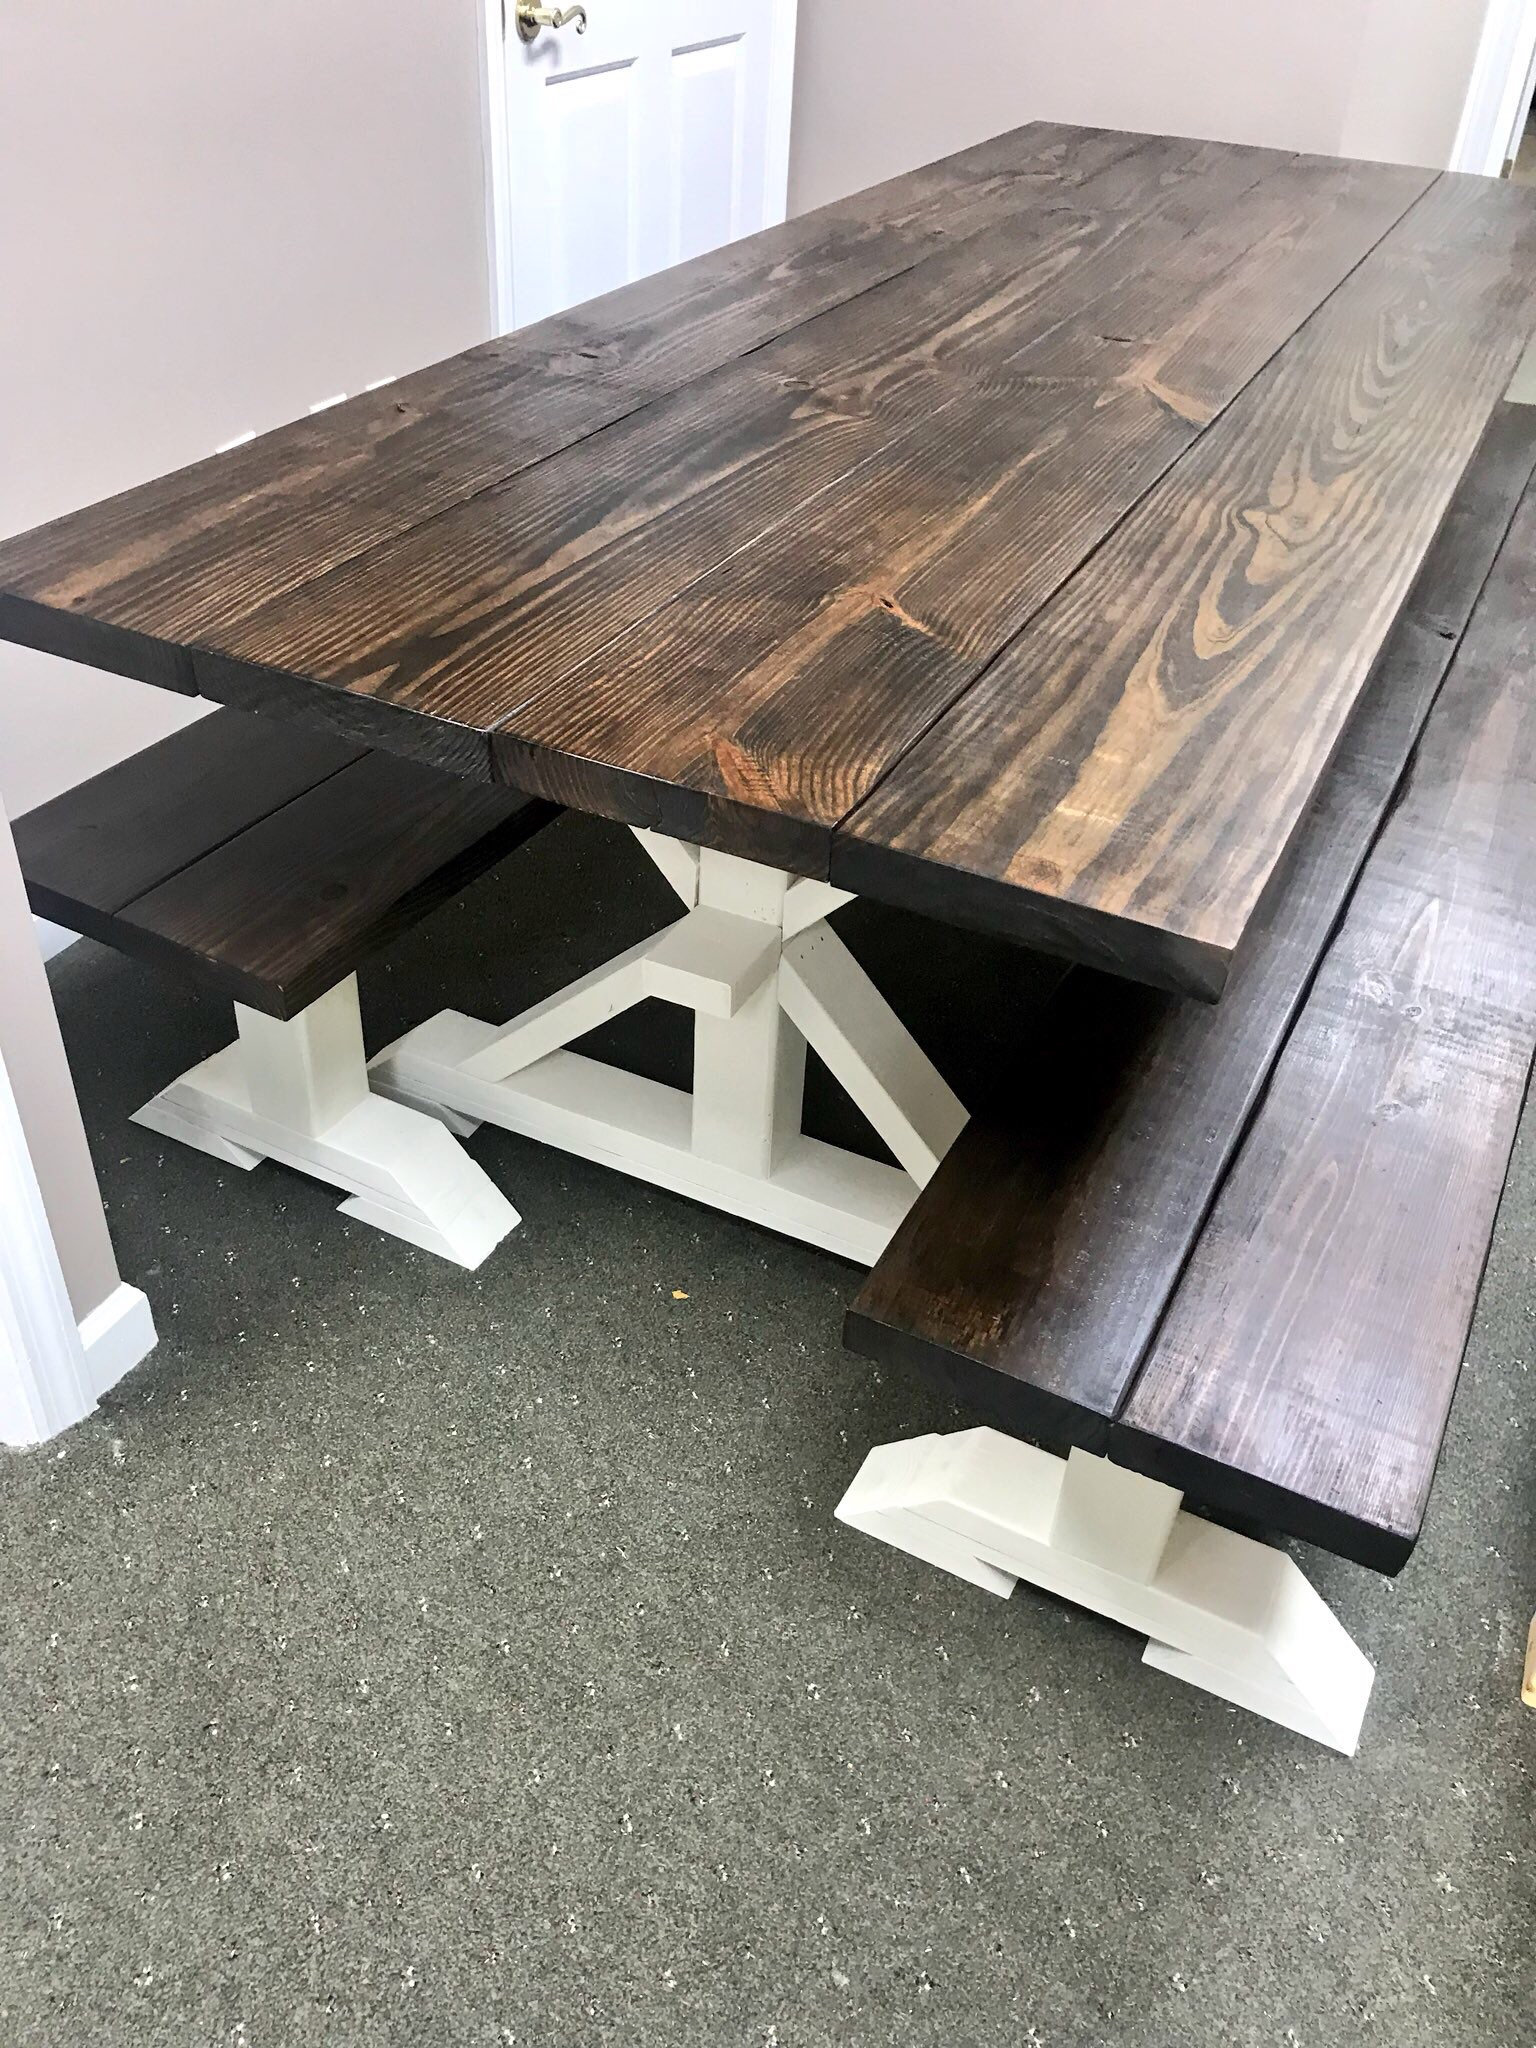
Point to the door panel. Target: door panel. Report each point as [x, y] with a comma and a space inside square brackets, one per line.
[707, 117]
[589, 225]
[657, 135]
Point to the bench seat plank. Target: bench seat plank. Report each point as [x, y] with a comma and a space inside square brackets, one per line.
[1307, 1364]
[267, 861]
[93, 849]
[1031, 1273]
[281, 913]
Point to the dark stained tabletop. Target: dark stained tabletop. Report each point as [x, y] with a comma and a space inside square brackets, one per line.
[1012, 541]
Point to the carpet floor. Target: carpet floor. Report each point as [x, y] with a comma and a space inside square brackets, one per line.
[406, 1656]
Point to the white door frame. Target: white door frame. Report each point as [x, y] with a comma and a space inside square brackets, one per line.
[499, 198]
[1499, 90]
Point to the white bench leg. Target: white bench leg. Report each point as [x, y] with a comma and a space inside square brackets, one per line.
[1223, 1612]
[765, 977]
[297, 1091]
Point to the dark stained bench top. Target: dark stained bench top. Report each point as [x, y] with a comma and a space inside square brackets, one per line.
[266, 859]
[1011, 542]
[1263, 1297]
[1307, 1362]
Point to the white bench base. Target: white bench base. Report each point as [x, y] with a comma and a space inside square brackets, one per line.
[1224, 1612]
[764, 976]
[297, 1091]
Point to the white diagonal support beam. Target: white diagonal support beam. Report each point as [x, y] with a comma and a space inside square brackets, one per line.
[570, 1013]
[678, 862]
[871, 1053]
[760, 982]
[807, 903]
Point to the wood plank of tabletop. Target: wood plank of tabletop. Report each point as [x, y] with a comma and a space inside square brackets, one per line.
[1033, 1271]
[427, 642]
[682, 322]
[129, 584]
[757, 708]
[1124, 783]
[1308, 1361]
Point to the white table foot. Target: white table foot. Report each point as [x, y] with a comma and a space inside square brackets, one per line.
[298, 1092]
[764, 976]
[1224, 1612]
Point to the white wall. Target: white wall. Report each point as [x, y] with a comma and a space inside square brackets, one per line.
[211, 216]
[883, 85]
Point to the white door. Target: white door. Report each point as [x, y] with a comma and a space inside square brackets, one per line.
[659, 132]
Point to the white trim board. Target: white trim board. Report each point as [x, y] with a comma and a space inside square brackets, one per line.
[53, 1370]
[1499, 89]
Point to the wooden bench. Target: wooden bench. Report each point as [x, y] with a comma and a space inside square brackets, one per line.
[267, 861]
[1234, 1252]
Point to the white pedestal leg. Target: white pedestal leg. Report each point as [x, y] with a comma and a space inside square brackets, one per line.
[298, 1091]
[1224, 1612]
[764, 976]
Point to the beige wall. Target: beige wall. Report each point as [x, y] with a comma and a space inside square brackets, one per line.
[882, 85]
[211, 216]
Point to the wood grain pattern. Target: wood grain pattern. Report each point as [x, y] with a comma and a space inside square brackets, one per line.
[131, 583]
[1306, 1367]
[93, 849]
[267, 863]
[435, 634]
[279, 915]
[1007, 290]
[681, 323]
[478, 607]
[1165, 720]
[759, 708]
[1032, 1272]
[125, 585]
[965, 541]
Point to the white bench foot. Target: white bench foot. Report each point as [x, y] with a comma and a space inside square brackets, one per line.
[1223, 1612]
[765, 977]
[298, 1092]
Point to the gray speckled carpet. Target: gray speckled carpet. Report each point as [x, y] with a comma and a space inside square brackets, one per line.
[406, 1656]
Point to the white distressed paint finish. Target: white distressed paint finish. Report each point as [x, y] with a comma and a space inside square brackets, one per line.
[657, 134]
[762, 984]
[297, 1091]
[1223, 1612]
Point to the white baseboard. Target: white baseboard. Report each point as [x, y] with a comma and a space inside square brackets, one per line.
[52, 938]
[115, 1336]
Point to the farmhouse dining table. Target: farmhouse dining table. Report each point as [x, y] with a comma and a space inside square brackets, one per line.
[1011, 542]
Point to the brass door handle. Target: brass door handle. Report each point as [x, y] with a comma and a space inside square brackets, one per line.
[531, 19]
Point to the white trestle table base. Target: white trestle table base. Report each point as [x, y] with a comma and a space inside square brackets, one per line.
[755, 961]
[297, 1091]
[1224, 1612]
